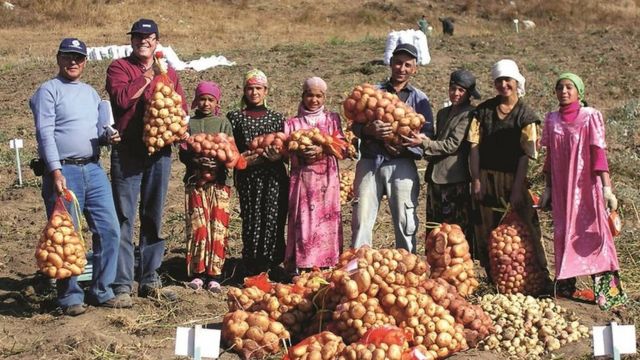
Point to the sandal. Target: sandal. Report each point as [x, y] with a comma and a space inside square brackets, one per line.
[195, 284]
[214, 286]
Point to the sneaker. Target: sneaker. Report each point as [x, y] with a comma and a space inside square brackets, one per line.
[147, 291]
[195, 284]
[74, 310]
[214, 287]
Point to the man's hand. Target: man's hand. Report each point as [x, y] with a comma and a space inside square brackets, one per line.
[59, 182]
[379, 129]
[185, 136]
[414, 139]
[477, 189]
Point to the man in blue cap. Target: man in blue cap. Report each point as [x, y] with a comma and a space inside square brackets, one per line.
[136, 174]
[69, 131]
[390, 170]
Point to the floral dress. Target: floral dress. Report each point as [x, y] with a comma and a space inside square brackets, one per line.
[262, 190]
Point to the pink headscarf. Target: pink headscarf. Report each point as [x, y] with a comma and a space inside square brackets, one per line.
[208, 88]
[312, 116]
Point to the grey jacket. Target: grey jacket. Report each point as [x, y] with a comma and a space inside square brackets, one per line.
[448, 154]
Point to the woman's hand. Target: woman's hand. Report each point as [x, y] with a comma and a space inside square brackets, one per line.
[252, 158]
[477, 189]
[271, 153]
[610, 198]
[414, 139]
[545, 200]
[312, 153]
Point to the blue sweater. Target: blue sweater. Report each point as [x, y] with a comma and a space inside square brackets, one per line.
[67, 121]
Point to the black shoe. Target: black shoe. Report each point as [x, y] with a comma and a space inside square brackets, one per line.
[159, 293]
[74, 310]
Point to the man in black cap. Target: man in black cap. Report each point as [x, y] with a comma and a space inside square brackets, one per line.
[69, 131]
[134, 173]
[391, 170]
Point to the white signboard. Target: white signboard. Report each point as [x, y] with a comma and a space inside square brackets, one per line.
[614, 340]
[198, 343]
[16, 143]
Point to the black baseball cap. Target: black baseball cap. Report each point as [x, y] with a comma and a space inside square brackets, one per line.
[465, 79]
[406, 48]
[144, 26]
[72, 45]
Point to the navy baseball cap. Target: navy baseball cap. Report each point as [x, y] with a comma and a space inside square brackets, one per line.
[144, 26]
[406, 48]
[72, 45]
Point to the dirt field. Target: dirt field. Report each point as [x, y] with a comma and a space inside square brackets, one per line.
[343, 52]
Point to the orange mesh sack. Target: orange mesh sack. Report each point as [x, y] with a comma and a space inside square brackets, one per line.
[164, 119]
[61, 252]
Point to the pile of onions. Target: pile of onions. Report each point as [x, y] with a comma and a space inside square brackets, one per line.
[367, 103]
[514, 265]
[321, 346]
[252, 335]
[260, 143]
[331, 144]
[243, 299]
[60, 253]
[352, 319]
[448, 255]
[527, 327]
[291, 308]
[164, 118]
[220, 147]
[477, 324]
[346, 186]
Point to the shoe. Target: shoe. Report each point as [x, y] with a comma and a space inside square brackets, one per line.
[74, 310]
[214, 286]
[158, 293]
[195, 284]
[120, 301]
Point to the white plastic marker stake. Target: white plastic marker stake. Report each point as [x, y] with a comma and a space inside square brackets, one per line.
[614, 340]
[516, 21]
[197, 343]
[17, 144]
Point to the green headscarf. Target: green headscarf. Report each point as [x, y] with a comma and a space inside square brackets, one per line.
[575, 79]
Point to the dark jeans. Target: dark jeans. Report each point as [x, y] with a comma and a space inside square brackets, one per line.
[91, 186]
[133, 176]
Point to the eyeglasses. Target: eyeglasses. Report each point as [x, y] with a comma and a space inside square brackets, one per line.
[143, 37]
[78, 58]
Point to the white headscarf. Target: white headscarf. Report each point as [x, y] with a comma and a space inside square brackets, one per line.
[508, 68]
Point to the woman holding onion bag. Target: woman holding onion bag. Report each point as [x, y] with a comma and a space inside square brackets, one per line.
[207, 200]
[314, 236]
[503, 135]
[579, 190]
[263, 186]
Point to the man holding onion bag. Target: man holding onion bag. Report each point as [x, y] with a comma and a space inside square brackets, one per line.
[69, 131]
[135, 173]
[387, 169]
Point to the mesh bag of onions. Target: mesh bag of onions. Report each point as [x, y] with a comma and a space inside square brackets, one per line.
[514, 264]
[366, 104]
[60, 252]
[164, 118]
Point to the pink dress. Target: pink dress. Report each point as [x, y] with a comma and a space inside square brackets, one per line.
[314, 233]
[583, 242]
